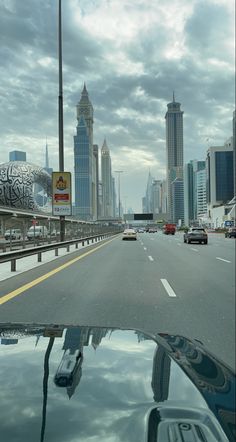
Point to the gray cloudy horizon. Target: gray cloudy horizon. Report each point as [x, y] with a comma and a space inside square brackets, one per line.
[132, 56]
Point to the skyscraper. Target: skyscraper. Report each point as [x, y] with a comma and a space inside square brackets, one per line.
[17, 155]
[95, 180]
[219, 175]
[174, 149]
[106, 181]
[83, 172]
[190, 190]
[85, 192]
[234, 150]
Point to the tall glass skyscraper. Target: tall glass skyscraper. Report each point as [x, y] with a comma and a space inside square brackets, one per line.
[219, 175]
[106, 181]
[17, 155]
[174, 151]
[83, 172]
[85, 192]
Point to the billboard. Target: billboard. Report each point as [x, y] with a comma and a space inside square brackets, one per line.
[143, 216]
[61, 193]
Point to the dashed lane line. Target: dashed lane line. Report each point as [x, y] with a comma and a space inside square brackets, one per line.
[195, 250]
[151, 258]
[145, 248]
[222, 259]
[168, 288]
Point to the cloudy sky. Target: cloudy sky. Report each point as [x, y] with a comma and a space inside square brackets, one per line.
[132, 54]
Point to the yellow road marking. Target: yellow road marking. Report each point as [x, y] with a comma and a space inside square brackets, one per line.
[36, 281]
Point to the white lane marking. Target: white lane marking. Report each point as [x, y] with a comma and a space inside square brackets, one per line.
[168, 288]
[222, 259]
[151, 258]
[179, 244]
[195, 250]
[145, 248]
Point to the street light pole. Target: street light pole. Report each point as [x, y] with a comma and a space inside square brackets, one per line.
[60, 112]
[119, 172]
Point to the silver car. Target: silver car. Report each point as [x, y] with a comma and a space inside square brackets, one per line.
[196, 234]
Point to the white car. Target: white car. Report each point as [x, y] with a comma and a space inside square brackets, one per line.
[37, 232]
[13, 234]
[129, 234]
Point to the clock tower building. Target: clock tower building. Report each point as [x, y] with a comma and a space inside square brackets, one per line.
[85, 108]
[85, 166]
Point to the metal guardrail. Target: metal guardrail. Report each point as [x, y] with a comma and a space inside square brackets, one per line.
[18, 254]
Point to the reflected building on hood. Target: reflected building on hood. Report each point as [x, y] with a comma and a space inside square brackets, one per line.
[69, 371]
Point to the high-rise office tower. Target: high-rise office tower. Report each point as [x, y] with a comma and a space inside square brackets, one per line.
[106, 180]
[95, 180]
[85, 192]
[17, 155]
[47, 167]
[156, 197]
[83, 172]
[113, 197]
[174, 149]
[190, 190]
[201, 193]
[219, 175]
[234, 150]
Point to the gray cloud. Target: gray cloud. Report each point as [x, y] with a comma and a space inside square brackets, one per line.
[130, 80]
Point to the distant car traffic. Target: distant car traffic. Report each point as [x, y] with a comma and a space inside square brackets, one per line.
[13, 234]
[196, 234]
[37, 232]
[231, 233]
[141, 230]
[152, 230]
[169, 229]
[129, 234]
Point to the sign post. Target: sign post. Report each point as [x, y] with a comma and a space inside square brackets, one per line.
[61, 194]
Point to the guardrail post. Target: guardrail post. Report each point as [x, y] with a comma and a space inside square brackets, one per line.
[82, 243]
[13, 265]
[92, 240]
[68, 248]
[87, 241]
[76, 245]
[40, 257]
[56, 252]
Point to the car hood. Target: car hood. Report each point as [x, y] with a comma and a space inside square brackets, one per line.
[87, 383]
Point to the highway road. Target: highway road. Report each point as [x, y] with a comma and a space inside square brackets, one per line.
[155, 284]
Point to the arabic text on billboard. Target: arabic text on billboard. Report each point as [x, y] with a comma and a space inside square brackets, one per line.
[62, 203]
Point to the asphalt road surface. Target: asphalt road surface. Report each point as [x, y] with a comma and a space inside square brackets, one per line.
[155, 284]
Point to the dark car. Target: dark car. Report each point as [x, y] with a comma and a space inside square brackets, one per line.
[231, 233]
[104, 384]
[196, 234]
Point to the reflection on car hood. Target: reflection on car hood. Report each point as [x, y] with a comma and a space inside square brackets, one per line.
[87, 383]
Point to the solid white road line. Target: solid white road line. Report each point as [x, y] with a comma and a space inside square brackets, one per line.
[168, 288]
[195, 250]
[222, 259]
[151, 258]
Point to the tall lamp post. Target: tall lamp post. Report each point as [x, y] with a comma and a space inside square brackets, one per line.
[119, 172]
[60, 112]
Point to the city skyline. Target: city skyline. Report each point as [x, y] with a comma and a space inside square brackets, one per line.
[130, 71]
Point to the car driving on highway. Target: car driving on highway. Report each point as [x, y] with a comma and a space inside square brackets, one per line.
[231, 233]
[129, 234]
[12, 234]
[196, 234]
